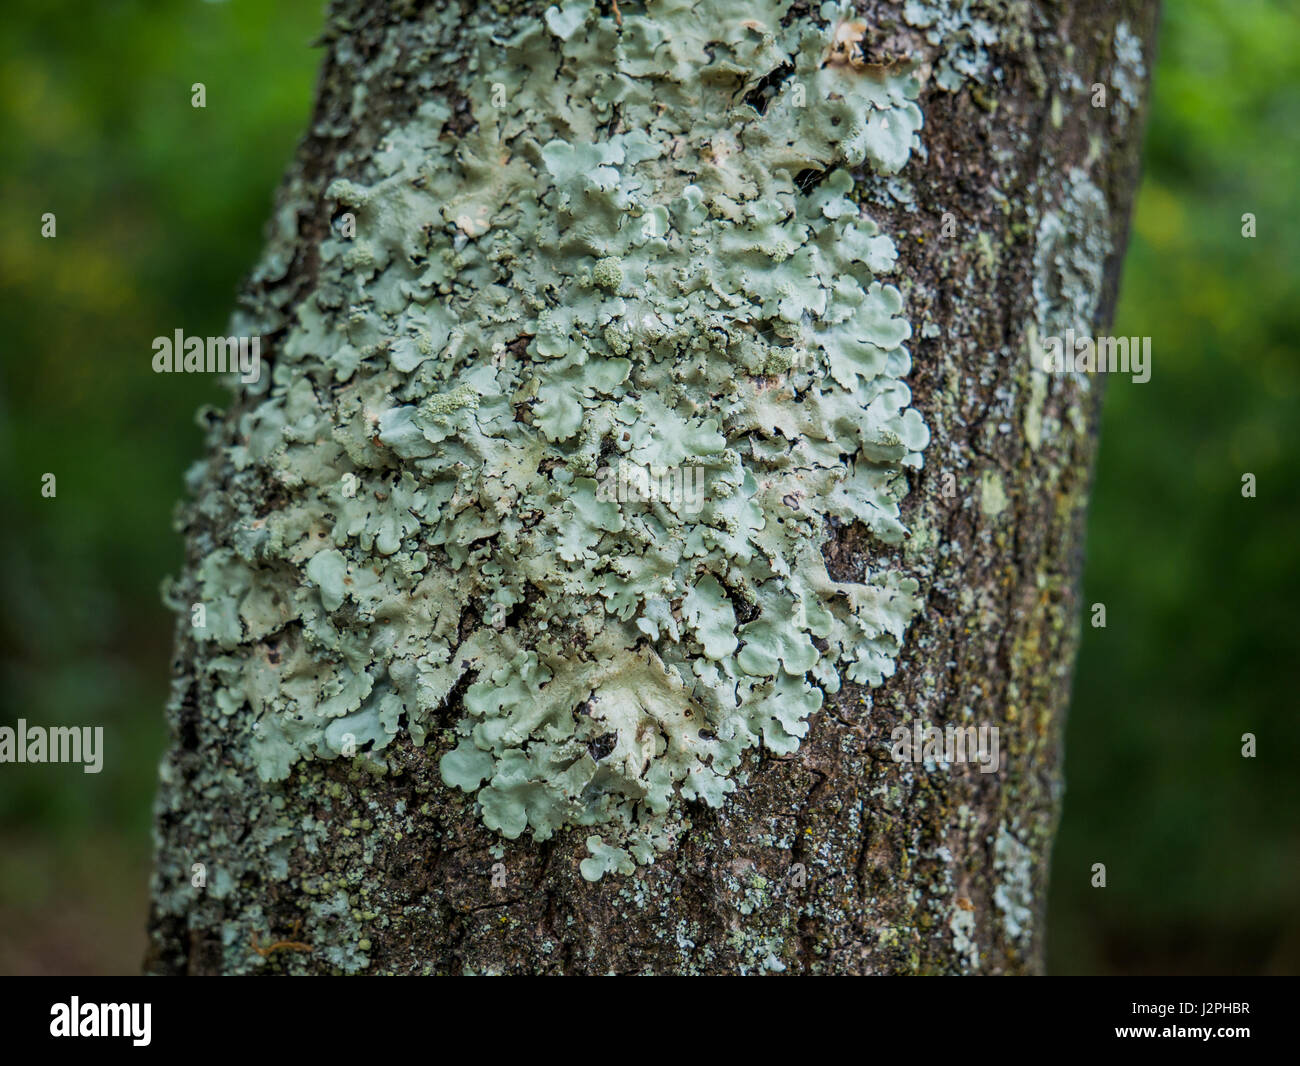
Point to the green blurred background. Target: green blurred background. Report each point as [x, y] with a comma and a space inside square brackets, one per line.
[160, 208]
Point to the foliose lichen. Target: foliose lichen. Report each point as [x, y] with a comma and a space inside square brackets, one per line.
[641, 248]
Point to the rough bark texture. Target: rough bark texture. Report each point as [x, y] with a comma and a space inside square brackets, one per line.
[836, 859]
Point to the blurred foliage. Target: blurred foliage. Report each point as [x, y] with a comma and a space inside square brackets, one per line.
[1201, 845]
[160, 208]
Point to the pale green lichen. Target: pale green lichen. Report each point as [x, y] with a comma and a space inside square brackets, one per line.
[962, 925]
[1013, 864]
[604, 859]
[591, 274]
[1071, 250]
[1129, 73]
[968, 34]
[993, 497]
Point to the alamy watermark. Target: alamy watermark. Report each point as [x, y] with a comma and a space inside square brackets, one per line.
[952, 744]
[37, 744]
[78, 1019]
[1096, 355]
[682, 487]
[208, 355]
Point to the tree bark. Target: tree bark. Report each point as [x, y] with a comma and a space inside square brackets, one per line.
[828, 854]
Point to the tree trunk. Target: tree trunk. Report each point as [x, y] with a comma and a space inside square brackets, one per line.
[556, 597]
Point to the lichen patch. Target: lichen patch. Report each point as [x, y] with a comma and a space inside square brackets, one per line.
[581, 280]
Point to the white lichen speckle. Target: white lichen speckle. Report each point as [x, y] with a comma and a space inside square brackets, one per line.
[1013, 864]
